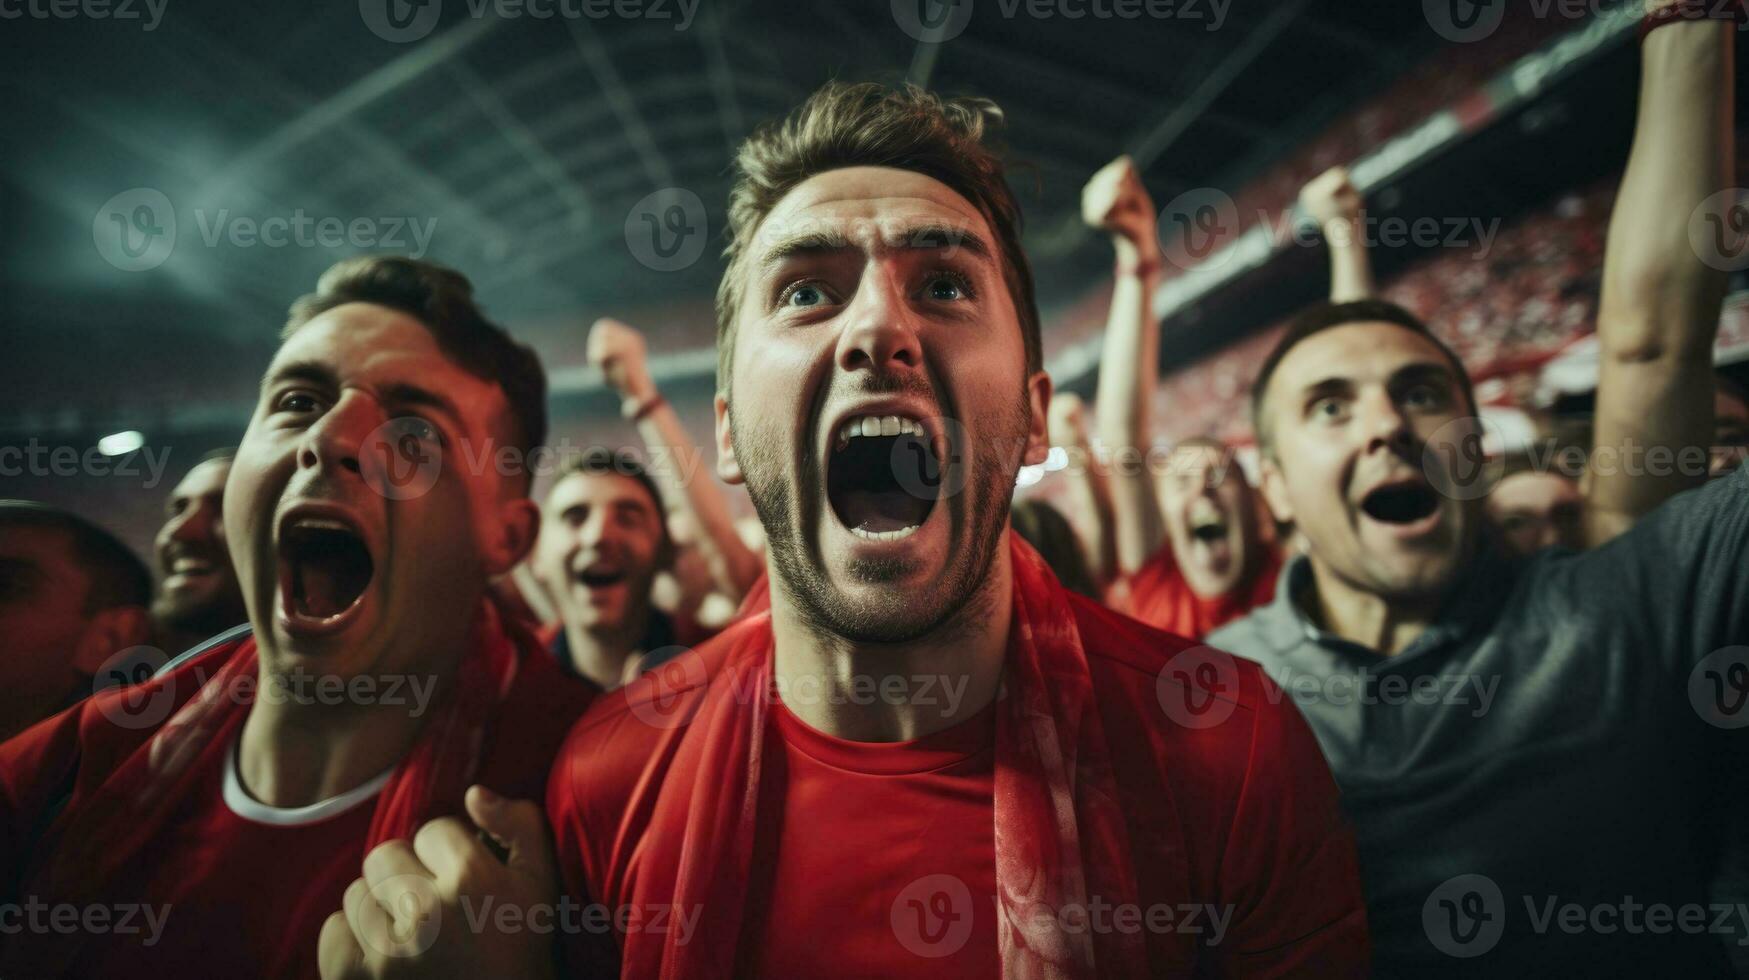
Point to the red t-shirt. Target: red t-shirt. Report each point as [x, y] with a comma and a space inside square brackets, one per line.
[883, 857]
[924, 805]
[1157, 594]
[245, 898]
[240, 896]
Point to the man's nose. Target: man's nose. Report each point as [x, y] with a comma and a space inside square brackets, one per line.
[336, 440]
[881, 328]
[1383, 421]
[196, 523]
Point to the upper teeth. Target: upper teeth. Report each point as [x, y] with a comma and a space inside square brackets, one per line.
[873, 425]
[321, 523]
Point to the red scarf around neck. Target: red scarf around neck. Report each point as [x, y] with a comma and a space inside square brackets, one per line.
[1060, 835]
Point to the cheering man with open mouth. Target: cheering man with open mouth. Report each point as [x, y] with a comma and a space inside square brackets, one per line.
[928, 756]
[233, 797]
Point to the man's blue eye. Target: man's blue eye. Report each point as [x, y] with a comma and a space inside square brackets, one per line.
[945, 287]
[806, 296]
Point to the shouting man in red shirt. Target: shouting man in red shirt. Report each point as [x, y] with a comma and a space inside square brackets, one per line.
[207, 822]
[928, 757]
[1190, 545]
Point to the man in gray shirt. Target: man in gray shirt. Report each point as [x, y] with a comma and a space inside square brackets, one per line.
[1557, 737]
[1540, 756]
[1534, 752]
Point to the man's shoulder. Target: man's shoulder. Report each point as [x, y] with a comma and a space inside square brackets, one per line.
[1190, 724]
[1261, 635]
[1164, 669]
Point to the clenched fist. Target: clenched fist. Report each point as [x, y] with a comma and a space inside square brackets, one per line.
[434, 907]
[618, 350]
[1331, 196]
[1115, 201]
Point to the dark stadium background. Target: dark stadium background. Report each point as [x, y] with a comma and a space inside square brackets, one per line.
[531, 143]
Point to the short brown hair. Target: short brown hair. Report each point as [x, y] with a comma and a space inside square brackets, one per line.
[1324, 316]
[443, 300]
[117, 576]
[871, 125]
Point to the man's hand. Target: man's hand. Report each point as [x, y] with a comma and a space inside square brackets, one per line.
[1115, 201]
[618, 350]
[435, 907]
[1331, 196]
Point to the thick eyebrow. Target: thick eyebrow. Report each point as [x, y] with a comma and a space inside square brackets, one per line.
[321, 375]
[1430, 372]
[1425, 371]
[812, 243]
[922, 238]
[1324, 389]
[312, 372]
[634, 506]
[410, 394]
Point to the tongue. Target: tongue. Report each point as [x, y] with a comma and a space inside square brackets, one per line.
[318, 592]
[326, 588]
[881, 510]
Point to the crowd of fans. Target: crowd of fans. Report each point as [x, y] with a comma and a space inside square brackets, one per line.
[902, 723]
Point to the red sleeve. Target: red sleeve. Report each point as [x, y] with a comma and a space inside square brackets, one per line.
[37, 769]
[1289, 877]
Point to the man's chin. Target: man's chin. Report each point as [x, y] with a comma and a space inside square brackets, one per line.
[883, 617]
[1416, 578]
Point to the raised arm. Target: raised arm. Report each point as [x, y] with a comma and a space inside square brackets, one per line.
[1660, 308]
[1333, 202]
[1116, 202]
[1089, 490]
[675, 459]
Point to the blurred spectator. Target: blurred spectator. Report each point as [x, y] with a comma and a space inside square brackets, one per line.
[198, 596]
[72, 596]
[602, 541]
[1535, 509]
[1048, 531]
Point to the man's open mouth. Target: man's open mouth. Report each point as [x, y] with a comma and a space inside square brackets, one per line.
[1400, 503]
[595, 577]
[187, 563]
[324, 569]
[882, 476]
[1208, 529]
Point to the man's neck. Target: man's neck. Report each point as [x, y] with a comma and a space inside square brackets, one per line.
[895, 692]
[1367, 618]
[606, 657]
[296, 751]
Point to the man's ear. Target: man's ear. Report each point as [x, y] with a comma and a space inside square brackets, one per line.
[1275, 488]
[728, 467]
[517, 526]
[1038, 435]
[109, 632]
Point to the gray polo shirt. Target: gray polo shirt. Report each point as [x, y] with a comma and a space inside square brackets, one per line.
[1539, 783]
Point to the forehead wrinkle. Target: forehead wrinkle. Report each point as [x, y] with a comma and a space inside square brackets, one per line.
[926, 236]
